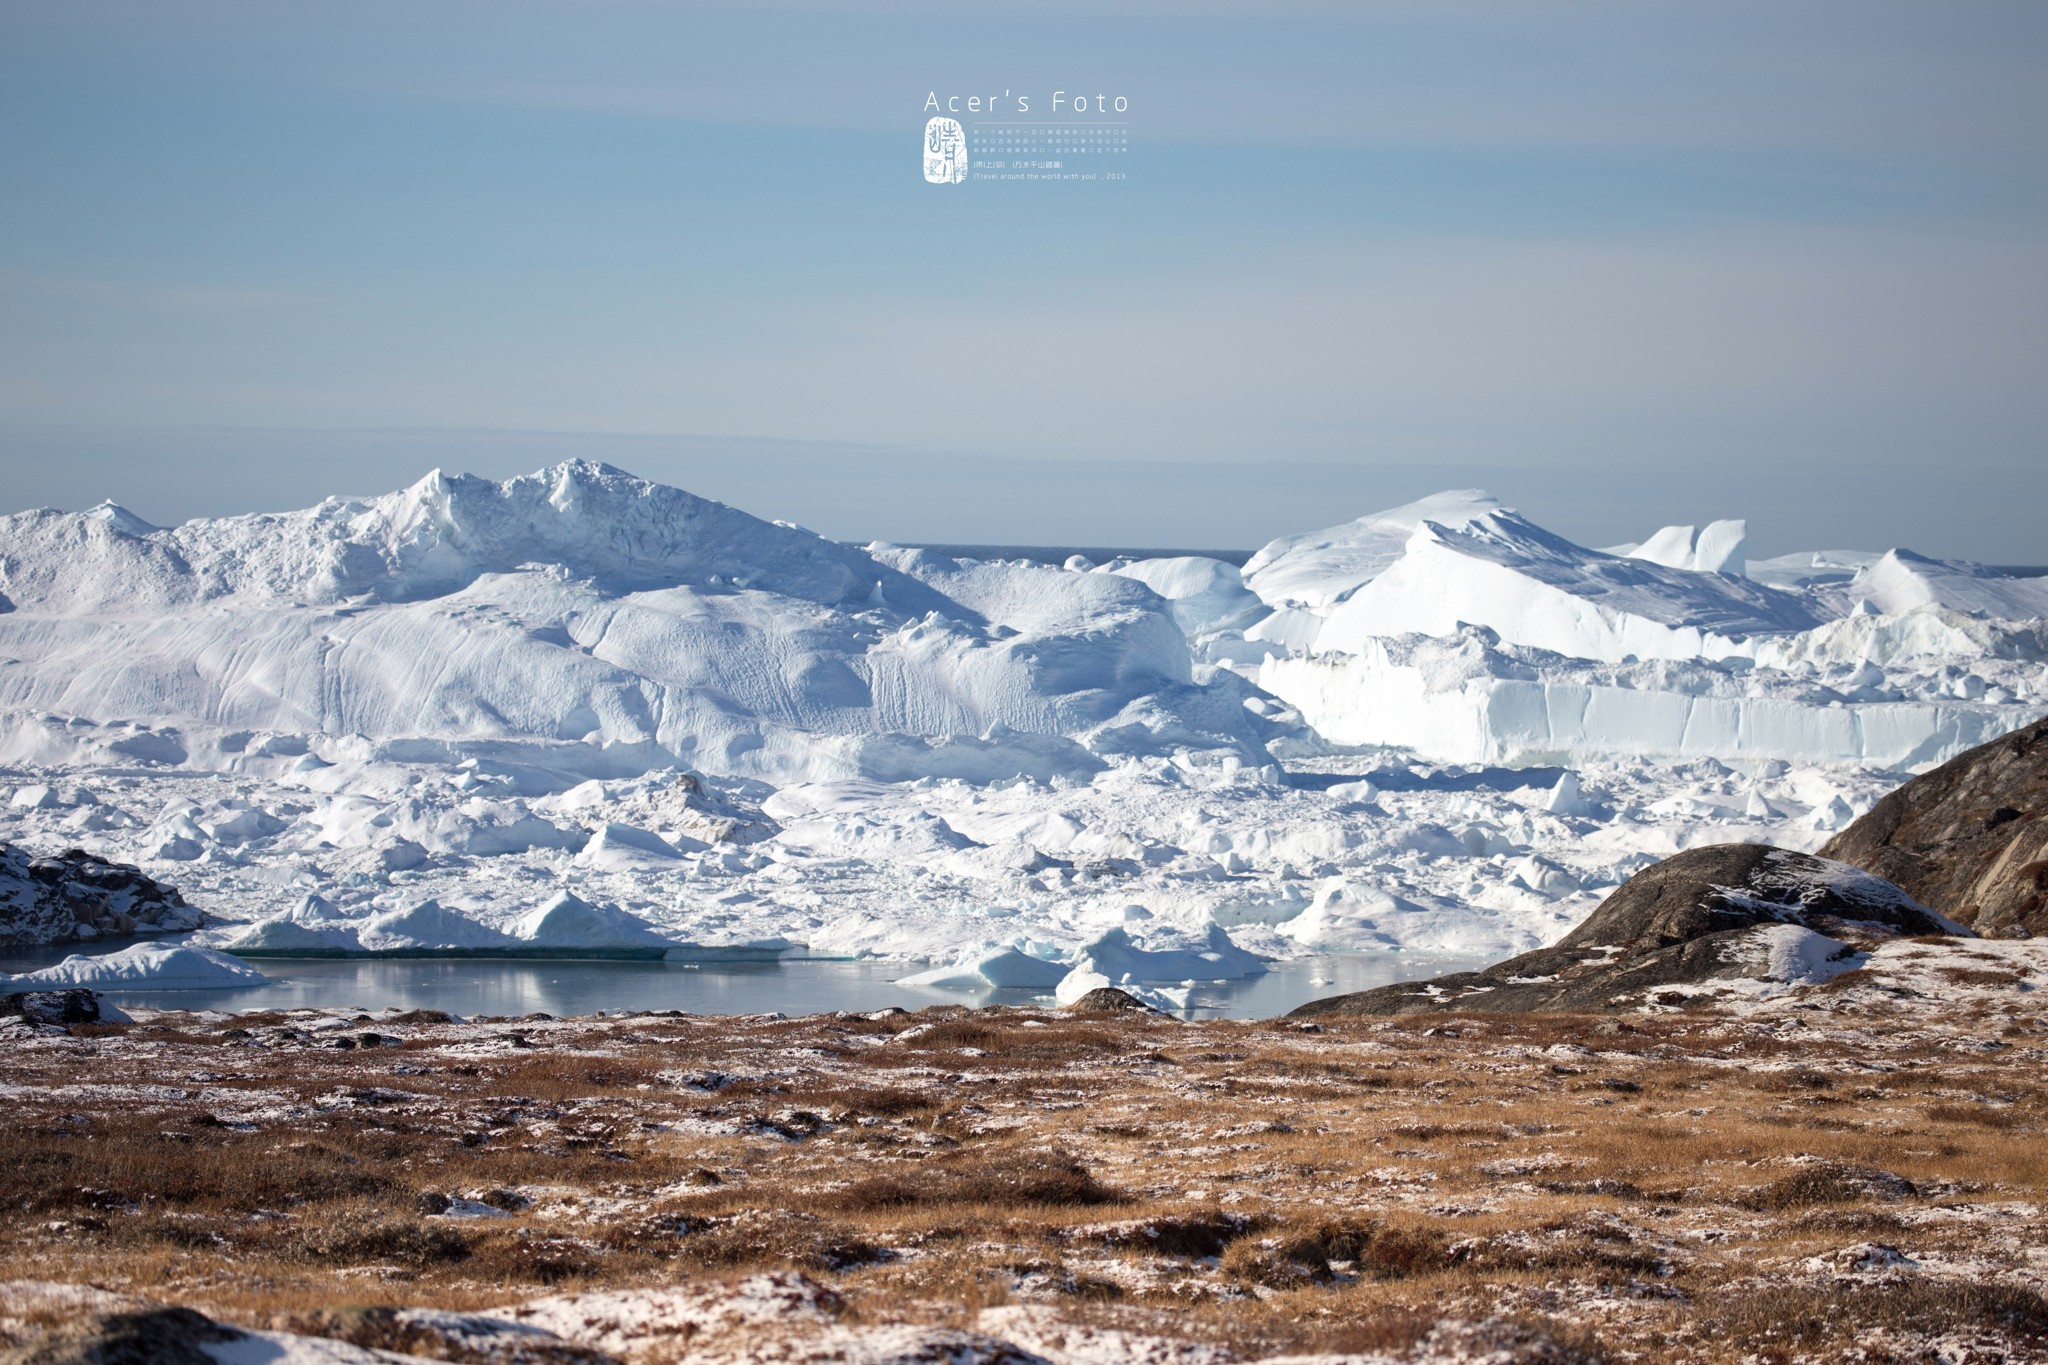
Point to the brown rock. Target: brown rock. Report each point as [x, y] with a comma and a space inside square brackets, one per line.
[1969, 838]
[1107, 998]
[1693, 918]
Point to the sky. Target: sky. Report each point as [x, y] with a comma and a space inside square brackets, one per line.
[1625, 264]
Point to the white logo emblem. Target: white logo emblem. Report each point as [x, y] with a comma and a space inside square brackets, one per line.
[945, 151]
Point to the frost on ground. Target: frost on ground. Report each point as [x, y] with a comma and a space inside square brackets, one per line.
[1852, 1170]
[576, 709]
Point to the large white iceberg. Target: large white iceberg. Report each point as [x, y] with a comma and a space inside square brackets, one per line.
[429, 925]
[143, 967]
[1318, 569]
[1113, 959]
[596, 619]
[1000, 968]
[1534, 588]
[1901, 581]
[569, 921]
[1465, 699]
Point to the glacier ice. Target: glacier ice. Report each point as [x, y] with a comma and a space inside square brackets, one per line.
[577, 709]
[1113, 958]
[142, 966]
[582, 607]
[569, 921]
[428, 924]
[1003, 968]
[1716, 547]
[1318, 569]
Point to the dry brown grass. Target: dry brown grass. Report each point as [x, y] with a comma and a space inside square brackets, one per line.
[1253, 1185]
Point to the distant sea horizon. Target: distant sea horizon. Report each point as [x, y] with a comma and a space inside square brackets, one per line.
[1060, 554]
[1103, 554]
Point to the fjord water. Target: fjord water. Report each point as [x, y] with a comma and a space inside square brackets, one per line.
[474, 986]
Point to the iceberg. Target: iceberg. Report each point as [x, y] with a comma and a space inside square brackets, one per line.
[1533, 588]
[1002, 969]
[1901, 581]
[621, 720]
[429, 926]
[1715, 548]
[596, 620]
[1317, 570]
[568, 921]
[312, 928]
[1205, 596]
[616, 847]
[1466, 700]
[1113, 959]
[286, 937]
[143, 967]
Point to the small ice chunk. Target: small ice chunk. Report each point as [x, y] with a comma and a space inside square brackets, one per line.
[1566, 798]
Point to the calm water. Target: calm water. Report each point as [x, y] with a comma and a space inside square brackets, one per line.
[563, 988]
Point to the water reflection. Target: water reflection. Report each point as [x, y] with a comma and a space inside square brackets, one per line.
[470, 987]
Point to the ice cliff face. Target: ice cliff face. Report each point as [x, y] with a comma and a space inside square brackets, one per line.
[1457, 628]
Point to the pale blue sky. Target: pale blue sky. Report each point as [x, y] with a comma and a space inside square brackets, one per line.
[1625, 263]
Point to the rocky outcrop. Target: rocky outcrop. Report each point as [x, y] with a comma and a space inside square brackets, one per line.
[1969, 838]
[150, 1334]
[1723, 913]
[77, 896]
[1108, 999]
[60, 1007]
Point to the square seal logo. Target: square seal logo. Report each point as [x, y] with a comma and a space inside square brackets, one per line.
[945, 151]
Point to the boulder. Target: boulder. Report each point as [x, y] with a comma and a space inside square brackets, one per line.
[75, 895]
[149, 1334]
[1969, 838]
[60, 1007]
[1721, 913]
[1107, 999]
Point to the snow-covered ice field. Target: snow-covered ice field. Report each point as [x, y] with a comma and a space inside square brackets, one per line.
[580, 710]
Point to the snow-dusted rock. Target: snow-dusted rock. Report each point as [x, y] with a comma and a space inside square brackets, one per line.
[1970, 837]
[1715, 915]
[61, 1007]
[76, 896]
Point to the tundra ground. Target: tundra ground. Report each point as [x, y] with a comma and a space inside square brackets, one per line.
[1854, 1172]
